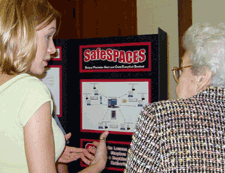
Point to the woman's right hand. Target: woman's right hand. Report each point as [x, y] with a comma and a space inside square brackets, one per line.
[101, 152]
[99, 162]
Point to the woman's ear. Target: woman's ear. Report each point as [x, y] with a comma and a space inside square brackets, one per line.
[204, 80]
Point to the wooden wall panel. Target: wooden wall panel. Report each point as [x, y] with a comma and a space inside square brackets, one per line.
[96, 18]
[184, 21]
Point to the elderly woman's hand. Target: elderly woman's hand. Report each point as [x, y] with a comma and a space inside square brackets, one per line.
[101, 152]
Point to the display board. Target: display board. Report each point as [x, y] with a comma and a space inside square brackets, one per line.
[105, 83]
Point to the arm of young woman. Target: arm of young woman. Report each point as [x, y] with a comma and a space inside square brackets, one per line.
[39, 142]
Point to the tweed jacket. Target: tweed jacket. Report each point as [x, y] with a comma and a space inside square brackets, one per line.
[183, 135]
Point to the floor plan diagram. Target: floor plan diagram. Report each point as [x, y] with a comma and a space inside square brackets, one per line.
[113, 105]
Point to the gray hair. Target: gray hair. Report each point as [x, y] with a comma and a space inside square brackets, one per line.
[206, 43]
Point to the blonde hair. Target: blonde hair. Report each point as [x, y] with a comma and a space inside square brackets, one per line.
[19, 20]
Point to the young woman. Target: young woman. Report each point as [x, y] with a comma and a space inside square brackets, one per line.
[31, 141]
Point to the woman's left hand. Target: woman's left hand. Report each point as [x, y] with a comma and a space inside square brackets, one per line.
[72, 154]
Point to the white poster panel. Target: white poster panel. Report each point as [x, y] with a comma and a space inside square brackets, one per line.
[53, 81]
[113, 105]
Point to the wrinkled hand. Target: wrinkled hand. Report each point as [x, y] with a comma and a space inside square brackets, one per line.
[101, 152]
[72, 153]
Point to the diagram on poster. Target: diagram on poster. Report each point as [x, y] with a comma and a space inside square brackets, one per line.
[53, 81]
[113, 105]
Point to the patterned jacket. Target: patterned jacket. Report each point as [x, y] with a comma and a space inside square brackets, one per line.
[183, 135]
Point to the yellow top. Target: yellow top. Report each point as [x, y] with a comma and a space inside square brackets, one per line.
[20, 98]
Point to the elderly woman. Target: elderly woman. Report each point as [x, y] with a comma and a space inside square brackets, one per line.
[187, 134]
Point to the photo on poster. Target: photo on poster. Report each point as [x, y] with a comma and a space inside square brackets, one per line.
[112, 104]
[58, 56]
[53, 80]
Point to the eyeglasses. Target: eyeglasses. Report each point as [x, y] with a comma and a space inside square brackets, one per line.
[177, 71]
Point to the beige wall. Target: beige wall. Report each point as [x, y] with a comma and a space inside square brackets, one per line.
[211, 11]
[152, 14]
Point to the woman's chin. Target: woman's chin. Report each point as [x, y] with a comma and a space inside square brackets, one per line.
[39, 71]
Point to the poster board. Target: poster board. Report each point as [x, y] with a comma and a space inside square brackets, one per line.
[105, 83]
